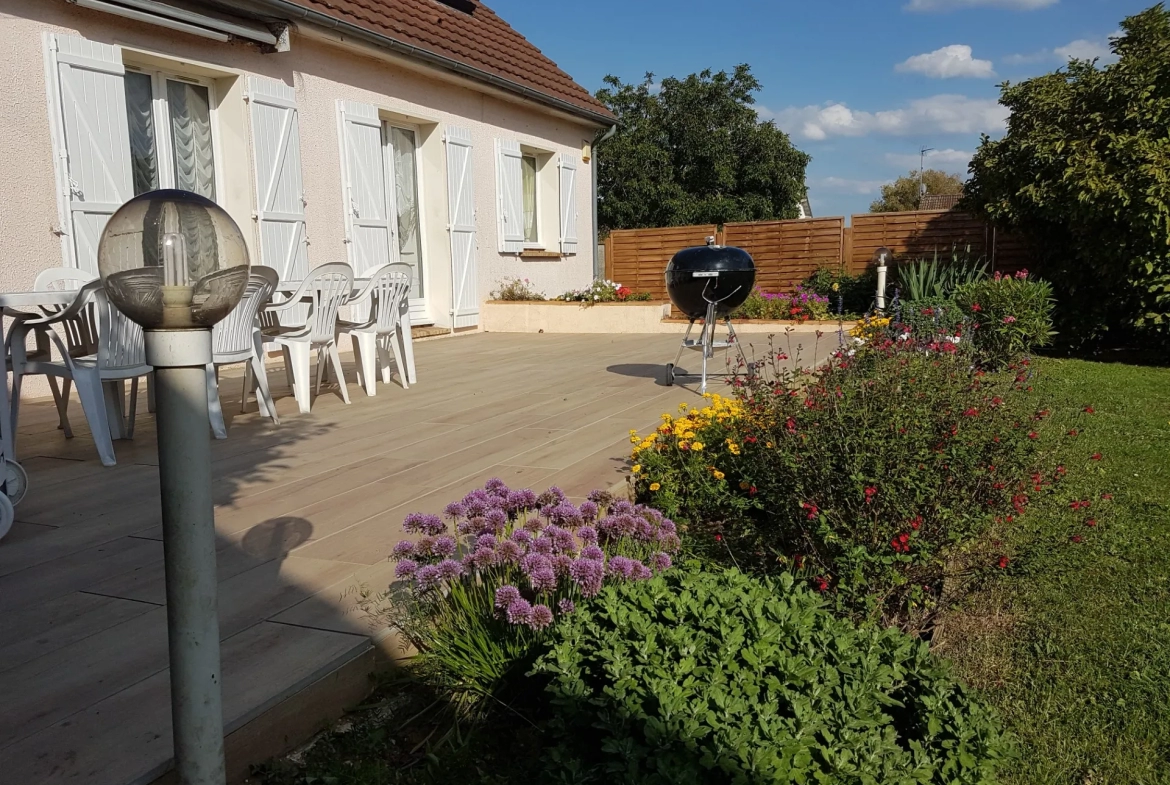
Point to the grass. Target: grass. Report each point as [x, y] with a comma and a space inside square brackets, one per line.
[1072, 641]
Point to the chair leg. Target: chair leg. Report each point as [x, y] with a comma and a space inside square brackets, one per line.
[259, 373]
[115, 395]
[214, 407]
[288, 369]
[335, 356]
[384, 357]
[365, 355]
[132, 414]
[298, 359]
[66, 386]
[320, 369]
[405, 341]
[249, 385]
[93, 402]
[150, 407]
[398, 362]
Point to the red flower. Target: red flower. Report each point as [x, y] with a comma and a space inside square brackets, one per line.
[750, 439]
[971, 413]
[811, 508]
[798, 561]
[791, 425]
[915, 522]
[820, 583]
[781, 356]
[718, 538]
[1089, 410]
[869, 494]
[1033, 435]
[752, 491]
[1073, 432]
[1091, 522]
[1076, 538]
[975, 307]
[1060, 470]
[1106, 496]
[1096, 456]
[1003, 562]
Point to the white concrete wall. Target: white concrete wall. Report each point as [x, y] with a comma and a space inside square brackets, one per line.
[321, 72]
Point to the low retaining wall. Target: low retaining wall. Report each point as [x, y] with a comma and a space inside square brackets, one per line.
[549, 316]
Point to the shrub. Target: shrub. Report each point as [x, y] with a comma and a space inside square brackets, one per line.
[476, 596]
[604, 292]
[929, 318]
[516, 289]
[800, 306]
[695, 678]
[848, 294]
[938, 276]
[1011, 316]
[869, 474]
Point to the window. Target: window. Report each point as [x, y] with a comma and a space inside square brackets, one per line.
[528, 171]
[401, 148]
[171, 144]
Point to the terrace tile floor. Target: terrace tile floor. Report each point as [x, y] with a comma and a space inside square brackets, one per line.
[305, 511]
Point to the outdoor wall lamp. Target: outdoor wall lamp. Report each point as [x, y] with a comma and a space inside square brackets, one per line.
[176, 263]
[882, 258]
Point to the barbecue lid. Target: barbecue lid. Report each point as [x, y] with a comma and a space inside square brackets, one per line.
[711, 257]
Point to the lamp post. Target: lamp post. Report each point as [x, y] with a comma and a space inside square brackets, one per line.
[176, 263]
[882, 257]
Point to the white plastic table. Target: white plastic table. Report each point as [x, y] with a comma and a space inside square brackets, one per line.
[290, 287]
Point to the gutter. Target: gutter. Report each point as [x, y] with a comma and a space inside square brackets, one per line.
[598, 271]
[290, 9]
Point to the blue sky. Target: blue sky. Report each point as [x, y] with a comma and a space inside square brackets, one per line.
[861, 85]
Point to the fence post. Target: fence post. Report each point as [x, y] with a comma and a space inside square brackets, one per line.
[846, 249]
[607, 256]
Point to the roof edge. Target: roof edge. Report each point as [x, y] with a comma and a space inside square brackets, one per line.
[287, 8]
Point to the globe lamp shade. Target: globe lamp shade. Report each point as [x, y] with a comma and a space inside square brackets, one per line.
[173, 260]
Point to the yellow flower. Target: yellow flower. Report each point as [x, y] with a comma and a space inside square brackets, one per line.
[654, 486]
[718, 474]
[683, 444]
[637, 468]
[734, 449]
[697, 446]
[768, 445]
[743, 485]
[689, 435]
[836, 287]
[682, 407]
[633, 432]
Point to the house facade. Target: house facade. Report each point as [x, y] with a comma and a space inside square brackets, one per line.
[366, 131]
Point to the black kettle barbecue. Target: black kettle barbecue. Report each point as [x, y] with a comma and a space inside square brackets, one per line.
[708, 282]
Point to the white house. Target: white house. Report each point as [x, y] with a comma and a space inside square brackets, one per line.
[366, 131]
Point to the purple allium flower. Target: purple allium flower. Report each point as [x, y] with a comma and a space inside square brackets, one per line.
[640, 572]
[522, 536]
[425, 523]
[553, 495]
[519, 612]
[424, 545]
[622, 507]
[601, 498]
[621, 567]
[660, 561]
[505, 596]
[486, 541]
[444, 546]
[588, 511]
[482, 558]
[593, 552]
[588, 575]
[521, 500]
[455, 510]
[666, 527]
[535, 561]
[669, 542]
[405, 568]
[541, 617]
[563, 539]
[587, 535]
[495, 485]
[449, 569]
[533, 523]
[479, 525]
[465, 527]
[563, 513]
[649, 513]
[643, 530]
[561, 563]
[543, 579]
[402, 550]
[509, 551]
[566, 606]
[543, 544]
[428, 577]
[497, 519]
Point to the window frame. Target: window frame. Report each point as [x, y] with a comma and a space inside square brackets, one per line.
[537, 241]
[161, 117]
[392, 200]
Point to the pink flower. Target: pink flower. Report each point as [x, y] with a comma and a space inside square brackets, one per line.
[1008, 319]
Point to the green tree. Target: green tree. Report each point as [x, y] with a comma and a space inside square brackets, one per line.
[1084, 173]
[694, 151]
[902, 194]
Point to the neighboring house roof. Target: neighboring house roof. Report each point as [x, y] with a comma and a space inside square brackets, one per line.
[805, 208]
[940, 201]
[480, 41]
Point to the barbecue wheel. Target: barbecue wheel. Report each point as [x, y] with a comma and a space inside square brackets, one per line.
[669, 374]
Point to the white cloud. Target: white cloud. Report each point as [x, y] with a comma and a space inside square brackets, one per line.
[845, 185]
[950, 5]
[937, 114]
[947, 63]
[1080, 49]
[947, 158]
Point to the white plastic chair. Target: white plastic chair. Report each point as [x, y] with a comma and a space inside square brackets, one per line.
[119, 354]
[375, 337]
[55, 279]
[237, 339]
[329, 286]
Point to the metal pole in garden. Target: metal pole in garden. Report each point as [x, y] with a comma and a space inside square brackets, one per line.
[176, 263]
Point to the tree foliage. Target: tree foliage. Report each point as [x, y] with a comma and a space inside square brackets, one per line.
[1084, 173]
[694, 151]
[903, 193]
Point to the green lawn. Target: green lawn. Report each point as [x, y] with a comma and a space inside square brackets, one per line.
[1072, 641]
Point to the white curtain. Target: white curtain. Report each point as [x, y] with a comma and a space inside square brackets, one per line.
[140, 118]
[403, 145]
[528, 168]
[191, 138]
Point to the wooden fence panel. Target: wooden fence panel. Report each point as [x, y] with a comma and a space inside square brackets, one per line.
[787, 252]
[640, 256]
[916, 234]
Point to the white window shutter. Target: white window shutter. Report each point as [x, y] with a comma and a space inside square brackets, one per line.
[92, 142]
[461, 212]
[510, 197]
[568, 201]
[280, 203]
[367, 213]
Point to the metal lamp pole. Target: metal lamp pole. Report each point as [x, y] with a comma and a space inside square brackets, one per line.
[180, 359]
[881, 258]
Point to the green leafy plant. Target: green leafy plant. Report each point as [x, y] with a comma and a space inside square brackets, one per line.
[1010, 316]
[848, 294]
[800, 305]
[698, 678]
[516, 289]
[604, 291]
[939, 276]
